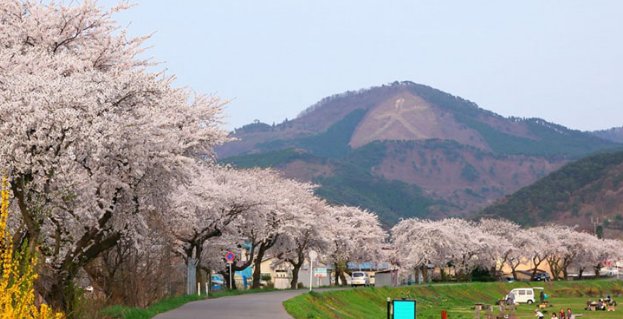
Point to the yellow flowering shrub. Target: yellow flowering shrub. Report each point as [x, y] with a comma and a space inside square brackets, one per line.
[17, 293]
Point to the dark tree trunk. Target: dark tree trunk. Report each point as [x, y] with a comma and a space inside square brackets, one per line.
[264, 246]
[62, 294]
[514, 270]
[343, 277]
[295, 277]
[296, 266]
[536, 265]
[235, 267]
[57, 297]
[257, 271]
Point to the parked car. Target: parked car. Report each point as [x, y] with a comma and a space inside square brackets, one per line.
[542, 276]
[359, 278]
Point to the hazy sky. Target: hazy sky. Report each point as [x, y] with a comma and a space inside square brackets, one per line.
[557, 60]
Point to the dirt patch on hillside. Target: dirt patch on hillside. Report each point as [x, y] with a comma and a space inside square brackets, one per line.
[408, 117]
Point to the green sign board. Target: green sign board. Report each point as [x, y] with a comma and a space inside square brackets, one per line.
[404, 309]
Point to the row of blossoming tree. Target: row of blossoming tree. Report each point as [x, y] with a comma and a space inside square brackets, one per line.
[111, 174]
[491, 244]
[107, 161]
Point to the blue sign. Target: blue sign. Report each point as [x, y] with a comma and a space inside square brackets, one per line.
[229, 256]
[404, 309]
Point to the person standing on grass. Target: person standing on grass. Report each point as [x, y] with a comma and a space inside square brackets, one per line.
[562, 315]
[570, 314]
[538, 314]
[554, 316]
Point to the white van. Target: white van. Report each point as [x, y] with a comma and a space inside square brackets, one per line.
[523, 295]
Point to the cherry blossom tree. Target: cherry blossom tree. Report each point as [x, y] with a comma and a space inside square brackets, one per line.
[282, 214]
[452, 241]
[470, 248]
[606, 251]
[561, 245]
[211, 205]
[254, 208]
[418, 243]
[312, 233]
[92, 140]
[356, 235]
[573, 244]
[547, 245]
[509, 242]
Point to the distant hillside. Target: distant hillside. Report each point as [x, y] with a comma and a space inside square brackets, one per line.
[614, 134]
[407, 149]
[409, 111]
[590, 188]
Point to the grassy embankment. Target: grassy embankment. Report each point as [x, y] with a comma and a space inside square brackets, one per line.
[123, 312]
[457, 299]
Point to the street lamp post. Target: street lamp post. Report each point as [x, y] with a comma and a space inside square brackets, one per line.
[312, 255]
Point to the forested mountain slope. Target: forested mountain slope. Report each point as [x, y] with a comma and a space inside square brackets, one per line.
[407, 149]
[587, 192]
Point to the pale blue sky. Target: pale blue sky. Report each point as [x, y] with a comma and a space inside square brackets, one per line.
[558, 60]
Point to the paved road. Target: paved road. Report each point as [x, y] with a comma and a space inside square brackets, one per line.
[265, 305]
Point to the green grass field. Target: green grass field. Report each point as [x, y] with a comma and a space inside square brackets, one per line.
[457, 299]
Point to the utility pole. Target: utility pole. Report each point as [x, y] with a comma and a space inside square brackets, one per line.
[595, 222]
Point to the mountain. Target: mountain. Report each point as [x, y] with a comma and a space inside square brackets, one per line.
[614, 134]
[587, 192]
[407, 149]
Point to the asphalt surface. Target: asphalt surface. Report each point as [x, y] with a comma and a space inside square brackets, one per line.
[264, 305]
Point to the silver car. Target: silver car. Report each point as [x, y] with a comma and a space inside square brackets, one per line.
[359, 278]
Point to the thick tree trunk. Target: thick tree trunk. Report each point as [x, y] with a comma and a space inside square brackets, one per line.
[62, 294]
[536, 262]
[343, 278]
[565, 268]
[236, 267]
[514, 270]
[554, 266]
[57, 297]
[337, 275]
[424, 271]
[295, 276]
[257, 271]
[296, 266]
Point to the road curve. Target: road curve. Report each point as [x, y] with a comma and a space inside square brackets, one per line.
[263, 305]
